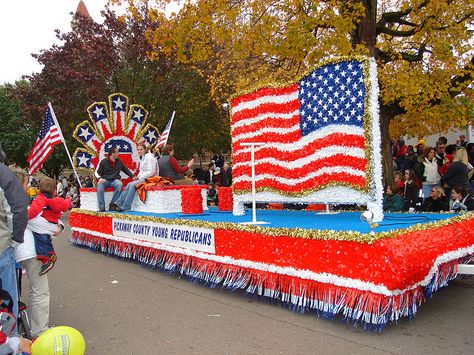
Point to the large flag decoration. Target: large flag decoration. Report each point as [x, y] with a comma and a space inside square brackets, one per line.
[49, 136]
[113, 124]
[321, 138]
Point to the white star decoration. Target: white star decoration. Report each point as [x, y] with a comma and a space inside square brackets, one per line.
[85, 133]
[99, 111]
[119, 103]
[83, 160]
[137, 114]
[150, 136]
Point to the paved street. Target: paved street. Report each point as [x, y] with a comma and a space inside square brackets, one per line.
[122, 308]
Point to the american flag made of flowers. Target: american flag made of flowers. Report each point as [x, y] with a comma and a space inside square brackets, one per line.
[315, 133]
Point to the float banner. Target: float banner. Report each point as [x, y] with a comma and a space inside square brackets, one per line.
[201, 239]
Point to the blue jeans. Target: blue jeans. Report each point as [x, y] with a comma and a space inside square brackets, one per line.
[8, 277]
[44, 246]
[116, 184]
[126, 198]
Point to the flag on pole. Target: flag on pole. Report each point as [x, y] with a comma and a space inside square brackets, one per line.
[49, 136]
[164, 136]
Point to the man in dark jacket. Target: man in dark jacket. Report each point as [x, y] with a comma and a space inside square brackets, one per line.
[13, 221]
[108, 174]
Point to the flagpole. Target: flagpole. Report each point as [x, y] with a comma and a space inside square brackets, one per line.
[171, 124]
[64, 143]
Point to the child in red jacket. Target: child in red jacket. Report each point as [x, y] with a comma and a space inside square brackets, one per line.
[51, 207]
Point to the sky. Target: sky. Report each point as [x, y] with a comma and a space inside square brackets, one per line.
[27, 26]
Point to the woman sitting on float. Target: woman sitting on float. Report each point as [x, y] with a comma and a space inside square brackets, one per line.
[148, 168]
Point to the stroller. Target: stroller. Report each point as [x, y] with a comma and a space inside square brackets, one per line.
[23, 322]
[8, 321]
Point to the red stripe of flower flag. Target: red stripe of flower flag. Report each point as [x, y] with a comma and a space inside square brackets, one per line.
[313, 132]
[48, 137]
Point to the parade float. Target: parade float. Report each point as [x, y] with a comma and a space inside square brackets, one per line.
[313, 141]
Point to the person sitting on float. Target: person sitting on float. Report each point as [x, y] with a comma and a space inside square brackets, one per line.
[108, 174]
[462, 201]
[436, 202]
[392, 202]
[148, 168]
[170, 169]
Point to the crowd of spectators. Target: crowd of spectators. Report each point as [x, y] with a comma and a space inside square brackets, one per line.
[217, 174]
[66, 187]
[431, 179]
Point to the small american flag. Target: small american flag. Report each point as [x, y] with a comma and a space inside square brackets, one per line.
[48, 137]
[165, 134]
[313, 132]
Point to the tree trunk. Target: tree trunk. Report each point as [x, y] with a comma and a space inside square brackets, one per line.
[366, 30]
[366, 34]
[386, 115]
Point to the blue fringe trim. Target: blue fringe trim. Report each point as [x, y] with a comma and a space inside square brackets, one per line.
[232, 278]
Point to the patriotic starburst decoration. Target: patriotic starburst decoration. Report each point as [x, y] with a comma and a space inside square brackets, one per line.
[113, 124]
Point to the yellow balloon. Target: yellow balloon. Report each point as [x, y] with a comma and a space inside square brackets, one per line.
[60, 340]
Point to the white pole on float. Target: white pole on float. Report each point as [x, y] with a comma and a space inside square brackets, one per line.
[252, 146]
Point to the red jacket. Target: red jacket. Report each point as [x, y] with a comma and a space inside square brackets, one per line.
[52, 207]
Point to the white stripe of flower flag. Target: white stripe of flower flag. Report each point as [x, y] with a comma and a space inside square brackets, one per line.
[49, 136]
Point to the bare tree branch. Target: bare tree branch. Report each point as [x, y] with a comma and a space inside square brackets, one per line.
[396, 33]
[460, 82]
[390, 56]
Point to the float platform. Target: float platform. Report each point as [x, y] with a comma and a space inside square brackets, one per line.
[329, 264]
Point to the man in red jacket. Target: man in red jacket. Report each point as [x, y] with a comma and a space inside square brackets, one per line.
[51, 207]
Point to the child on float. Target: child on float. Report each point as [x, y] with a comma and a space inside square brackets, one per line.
[50, 207]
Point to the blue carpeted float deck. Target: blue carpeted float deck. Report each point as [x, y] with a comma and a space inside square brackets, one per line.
[341, 221]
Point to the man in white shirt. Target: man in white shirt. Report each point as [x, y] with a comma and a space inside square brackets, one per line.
[148, 168]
